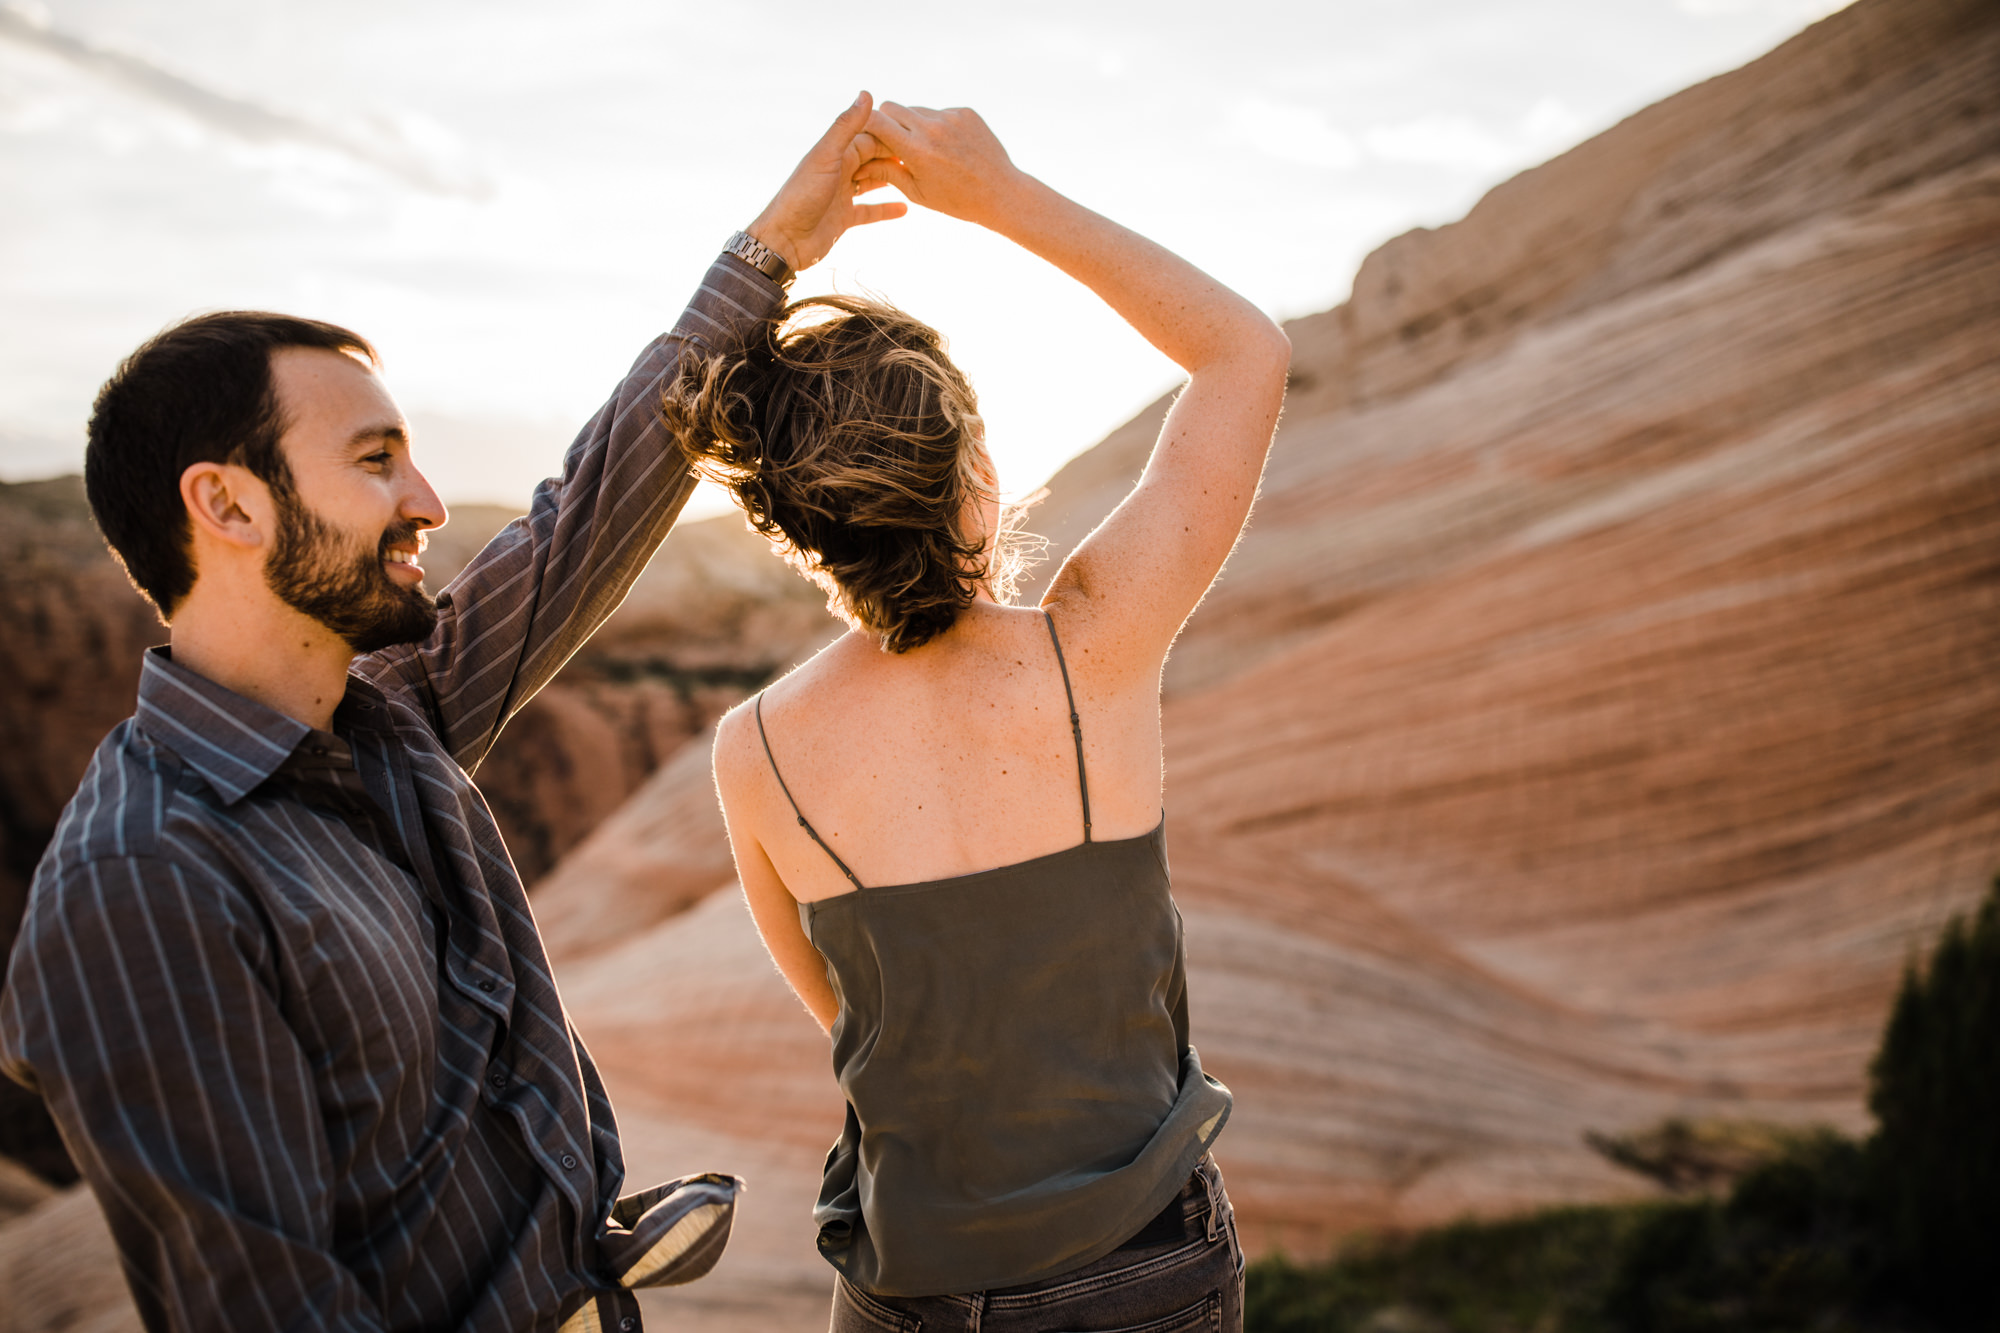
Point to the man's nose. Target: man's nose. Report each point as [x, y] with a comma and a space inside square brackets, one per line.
[421, 504]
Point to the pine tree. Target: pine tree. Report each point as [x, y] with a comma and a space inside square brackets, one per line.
[1936, 1098]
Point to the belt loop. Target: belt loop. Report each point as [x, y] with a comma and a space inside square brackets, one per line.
[1214, 1207]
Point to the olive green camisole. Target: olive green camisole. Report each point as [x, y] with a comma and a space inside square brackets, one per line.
[1013, 1046]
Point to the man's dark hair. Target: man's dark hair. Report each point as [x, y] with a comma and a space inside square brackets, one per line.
[198, 392]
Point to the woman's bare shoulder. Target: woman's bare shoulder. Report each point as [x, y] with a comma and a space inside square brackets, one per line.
[739, 734]
[1105, 653]
[736, 746]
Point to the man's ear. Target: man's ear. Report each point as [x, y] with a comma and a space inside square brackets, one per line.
[228, 504]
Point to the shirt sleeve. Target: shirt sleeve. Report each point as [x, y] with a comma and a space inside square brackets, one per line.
[142, 1006]
[540, 588]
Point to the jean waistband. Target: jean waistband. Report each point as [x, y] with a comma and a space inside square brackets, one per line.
[1179, 1221]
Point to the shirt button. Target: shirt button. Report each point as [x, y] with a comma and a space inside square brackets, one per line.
[498, 1080]
[486, 984]
[569, 1162]
[627, 1324]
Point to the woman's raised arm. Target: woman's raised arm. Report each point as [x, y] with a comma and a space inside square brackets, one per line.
[1126, 589]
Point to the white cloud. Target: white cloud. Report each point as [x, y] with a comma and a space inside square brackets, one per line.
[1461, 142]
[417, 152]
[1788, 11]
[28, 454]
[1551, 124]
[1440, 139]
[1293, 134]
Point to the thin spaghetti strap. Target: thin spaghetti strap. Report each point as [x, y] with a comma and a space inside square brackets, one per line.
[1075, 723]
[811, 832]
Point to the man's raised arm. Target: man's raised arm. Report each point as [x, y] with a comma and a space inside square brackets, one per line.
[544, 585]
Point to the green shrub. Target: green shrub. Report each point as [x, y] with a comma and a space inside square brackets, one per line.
[1700, 1155]
[1793, 1247]
[1544, 1271]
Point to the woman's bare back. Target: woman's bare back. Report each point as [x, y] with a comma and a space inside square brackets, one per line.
[952, 758]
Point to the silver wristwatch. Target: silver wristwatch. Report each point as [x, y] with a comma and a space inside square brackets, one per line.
[759, 256]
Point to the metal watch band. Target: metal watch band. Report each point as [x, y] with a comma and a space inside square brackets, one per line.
[759, 256]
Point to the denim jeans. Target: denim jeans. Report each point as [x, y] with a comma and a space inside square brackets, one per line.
[1172, 1286]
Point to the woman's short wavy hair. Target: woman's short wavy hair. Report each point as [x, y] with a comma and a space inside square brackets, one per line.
[851, 440]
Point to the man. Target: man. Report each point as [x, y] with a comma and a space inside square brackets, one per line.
[278, 979]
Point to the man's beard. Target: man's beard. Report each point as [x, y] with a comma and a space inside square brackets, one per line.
[317, 572]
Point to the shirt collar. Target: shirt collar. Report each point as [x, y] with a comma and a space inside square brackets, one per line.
[233, 742]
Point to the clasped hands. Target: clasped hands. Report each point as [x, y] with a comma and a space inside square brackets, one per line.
[948, 161]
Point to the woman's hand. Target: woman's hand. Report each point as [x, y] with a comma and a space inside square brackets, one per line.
[816, 205]
[948, 161]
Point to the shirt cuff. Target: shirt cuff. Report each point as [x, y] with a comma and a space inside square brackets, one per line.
[731, 302]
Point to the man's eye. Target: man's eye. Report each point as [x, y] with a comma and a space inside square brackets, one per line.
[378, 457]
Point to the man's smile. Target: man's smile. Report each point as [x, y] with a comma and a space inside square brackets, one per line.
[405, 557]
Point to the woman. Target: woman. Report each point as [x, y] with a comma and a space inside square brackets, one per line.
[948, 823]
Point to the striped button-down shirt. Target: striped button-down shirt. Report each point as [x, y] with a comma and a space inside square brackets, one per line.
[283, 991]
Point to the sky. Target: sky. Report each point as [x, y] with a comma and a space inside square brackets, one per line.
[511, 198]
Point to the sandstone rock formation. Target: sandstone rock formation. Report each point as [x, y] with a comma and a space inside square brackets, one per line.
[59, 1270]
[1603, 705]
[21, 1191]
[71, 631]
